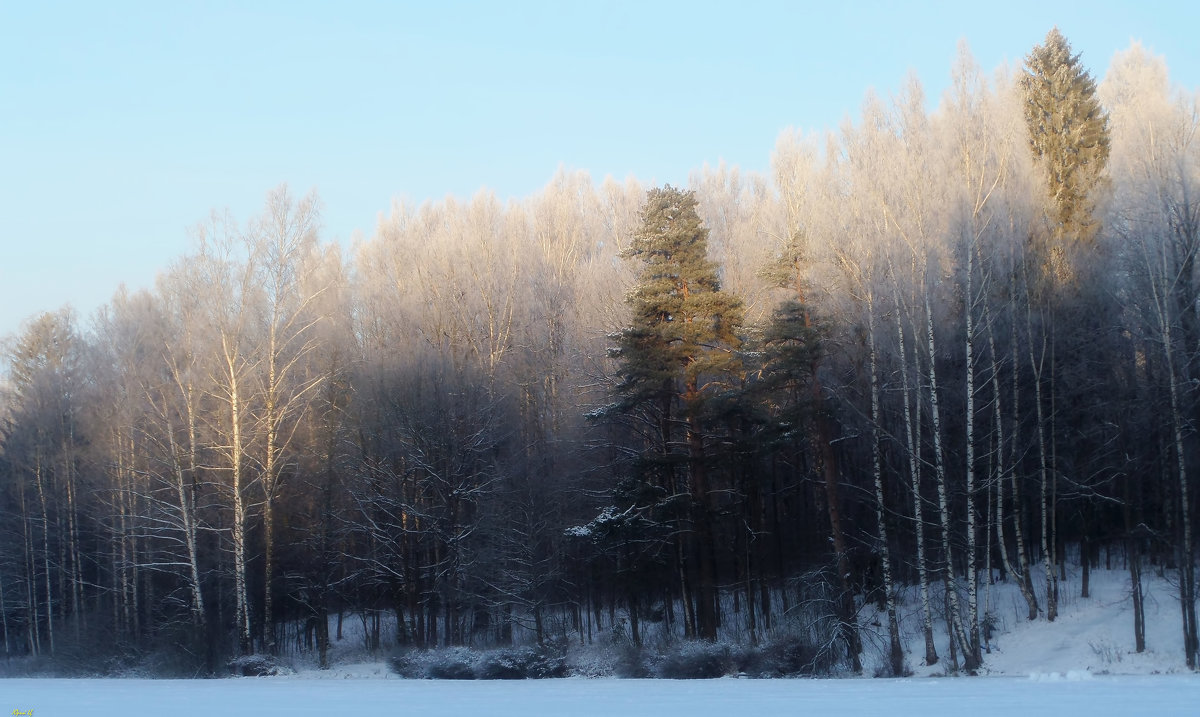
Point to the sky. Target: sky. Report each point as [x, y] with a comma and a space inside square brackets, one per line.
[123, 125]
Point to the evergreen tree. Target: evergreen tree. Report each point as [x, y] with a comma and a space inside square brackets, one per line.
[803, 420]
[683, 330]
[676, 357]
[1068, 134]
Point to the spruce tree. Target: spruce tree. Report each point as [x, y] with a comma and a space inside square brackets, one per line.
[1068, 134]
[675, 358]
[1069, 138]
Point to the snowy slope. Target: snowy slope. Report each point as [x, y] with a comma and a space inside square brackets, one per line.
[1095, 634]
[1092, 635]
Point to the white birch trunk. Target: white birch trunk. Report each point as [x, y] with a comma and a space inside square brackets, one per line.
[33, 629]
[972, 656]
[914, 463]
[896, 651]
[1186, 562]
[1187, 596]
[238, 533]
[45, 551]
[1019, 574]
[951, 581]
[269, 478]
[187, 515]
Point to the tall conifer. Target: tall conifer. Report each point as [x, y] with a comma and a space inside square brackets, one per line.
[678, 354]
[1068, 134]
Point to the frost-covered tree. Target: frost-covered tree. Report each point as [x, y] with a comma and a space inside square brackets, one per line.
[1068, 134]
[1157, 218]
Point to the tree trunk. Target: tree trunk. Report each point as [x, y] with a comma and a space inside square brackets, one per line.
[1037, 364]
[270, 477]
[948, 576]
[76, 571]
[895, 650]
[913, 446]
[1135, 583]
[1187, 558]
[33, 625]
[1085, 563]
[45, 551]
[1023, 558]
[1021, 574]
[706, 588]
[972, 656]
[241, 602]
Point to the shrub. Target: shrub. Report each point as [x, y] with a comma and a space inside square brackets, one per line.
[697, 661]
[522, 663]
[258, 666]
[631, 662]
[457, 663]
[406, 665]
[460, 663]
[787, 655]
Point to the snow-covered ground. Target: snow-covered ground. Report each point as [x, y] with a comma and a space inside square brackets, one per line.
[1091, 635]
[1161, 696]
[1094, 634]
[1083, 663]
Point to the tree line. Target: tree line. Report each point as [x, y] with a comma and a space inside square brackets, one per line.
[934, 348]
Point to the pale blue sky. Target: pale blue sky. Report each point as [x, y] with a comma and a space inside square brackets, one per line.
[123, 124]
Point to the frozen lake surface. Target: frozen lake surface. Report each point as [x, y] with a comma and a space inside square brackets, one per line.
[1054, 694]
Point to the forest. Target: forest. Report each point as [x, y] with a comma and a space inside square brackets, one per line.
[946, 344]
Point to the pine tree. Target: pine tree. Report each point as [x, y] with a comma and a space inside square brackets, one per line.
[792, 355]
[1068, 134]
[684, 327]
[676, 357]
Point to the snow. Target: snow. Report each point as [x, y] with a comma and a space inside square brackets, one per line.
[1162, 696]
[1083, 663]
[1095, 634]
[1092, 636]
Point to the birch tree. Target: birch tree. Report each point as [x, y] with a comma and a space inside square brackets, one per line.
[1158, 163]
[231, 299]
[283, 242]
